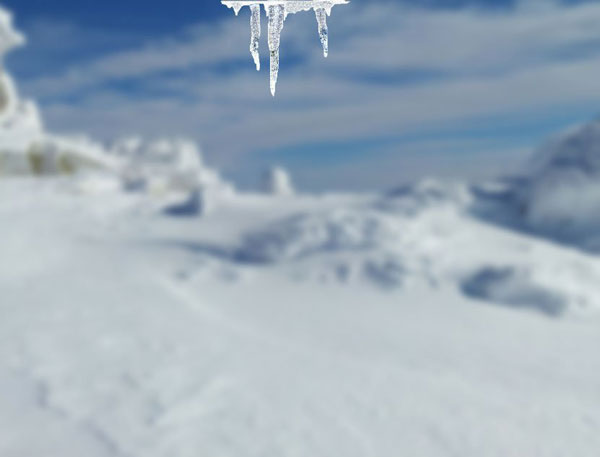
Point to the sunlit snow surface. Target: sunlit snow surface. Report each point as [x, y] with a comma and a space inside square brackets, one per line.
[293, 326]
[277, 11]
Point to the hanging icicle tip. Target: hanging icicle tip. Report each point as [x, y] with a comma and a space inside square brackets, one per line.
[277, 11]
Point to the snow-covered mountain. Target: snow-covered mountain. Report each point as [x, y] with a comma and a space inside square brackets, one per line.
[150, 310]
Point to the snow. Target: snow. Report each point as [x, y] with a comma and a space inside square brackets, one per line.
[513, 287]
[277, 181]
[168, 166]
[25, 146]
[562, 196]
[277, 11]
[126, 331]
[149, 309]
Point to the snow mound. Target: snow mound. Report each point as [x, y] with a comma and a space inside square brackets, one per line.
[25, 148]
[313, 233]
[555, 287]
[170, 165]
[46, 155]
[562, 196]
[19, 120]
[429, 193]
[277, 181]
[192, 205]
[514, 287]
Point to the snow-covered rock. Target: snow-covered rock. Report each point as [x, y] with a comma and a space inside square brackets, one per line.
[562, 196]
[170, 165]
[166, 164]
[9, 37]
[25, 147]
[20, 122]
[277, 181]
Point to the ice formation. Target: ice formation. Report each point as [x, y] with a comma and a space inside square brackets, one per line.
[277, 11]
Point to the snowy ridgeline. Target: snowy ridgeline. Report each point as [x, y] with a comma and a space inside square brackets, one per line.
[277, 11]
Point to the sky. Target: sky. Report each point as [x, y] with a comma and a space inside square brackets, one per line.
[456, 88]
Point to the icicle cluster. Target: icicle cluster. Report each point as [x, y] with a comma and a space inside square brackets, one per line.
[277, 11]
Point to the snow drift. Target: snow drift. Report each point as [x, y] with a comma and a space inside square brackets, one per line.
[304, 326]
[303, 235]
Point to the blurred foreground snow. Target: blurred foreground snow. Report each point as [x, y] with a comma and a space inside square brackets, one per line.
[304, 326]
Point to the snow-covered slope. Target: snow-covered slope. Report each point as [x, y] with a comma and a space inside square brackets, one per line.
[562, 196]
[305, 326]
[426, 234]
[428, 321]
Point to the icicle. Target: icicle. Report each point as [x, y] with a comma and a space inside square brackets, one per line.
[237, 8]
[323, 31]
[255, 34]
[276, 15]
[277, 11]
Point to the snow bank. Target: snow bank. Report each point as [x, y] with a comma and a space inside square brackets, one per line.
[313, 233]
[166, 164]
[514, 287]
[19, 120]
[410, 199]
[562, 196]
[276, 181]
[25, 148]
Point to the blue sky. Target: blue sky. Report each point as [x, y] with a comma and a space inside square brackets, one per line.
[446, 87]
